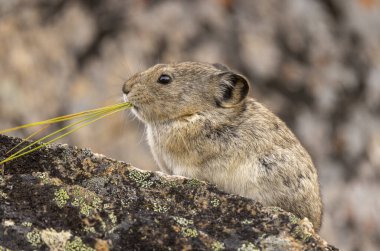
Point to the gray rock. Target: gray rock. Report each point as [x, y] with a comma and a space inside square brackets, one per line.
[65, 198]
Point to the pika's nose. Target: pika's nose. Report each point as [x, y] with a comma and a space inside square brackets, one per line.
[126, 88]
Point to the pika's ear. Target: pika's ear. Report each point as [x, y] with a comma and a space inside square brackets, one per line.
[232, 89]
[220, 67]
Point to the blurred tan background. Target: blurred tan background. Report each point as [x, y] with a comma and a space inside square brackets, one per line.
[315, 63]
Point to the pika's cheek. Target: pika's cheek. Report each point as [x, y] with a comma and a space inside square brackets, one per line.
[140, 99]
[138, 114]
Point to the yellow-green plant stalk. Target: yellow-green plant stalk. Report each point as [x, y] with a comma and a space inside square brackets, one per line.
[81, 119]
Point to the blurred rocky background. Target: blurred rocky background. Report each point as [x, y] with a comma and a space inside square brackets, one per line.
[315, 63]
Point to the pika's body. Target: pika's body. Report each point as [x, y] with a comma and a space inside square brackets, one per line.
[200, 124]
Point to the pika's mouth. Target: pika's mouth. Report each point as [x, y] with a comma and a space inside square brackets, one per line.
[125, 97]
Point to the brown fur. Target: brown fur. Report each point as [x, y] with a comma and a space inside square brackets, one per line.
[202, 125]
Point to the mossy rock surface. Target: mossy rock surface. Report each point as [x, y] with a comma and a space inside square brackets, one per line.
[66, 198]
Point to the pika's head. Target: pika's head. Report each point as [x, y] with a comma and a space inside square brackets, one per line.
[175, 91]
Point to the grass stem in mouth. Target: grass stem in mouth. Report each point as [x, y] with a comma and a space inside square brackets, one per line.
[68, 117]
[85, 118]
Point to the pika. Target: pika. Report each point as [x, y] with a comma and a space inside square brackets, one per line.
[201, 124]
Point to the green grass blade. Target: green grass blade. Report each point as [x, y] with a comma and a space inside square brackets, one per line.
[27, 138]
[52, 134]
[90, 117]
[68, 117]
[57, 138]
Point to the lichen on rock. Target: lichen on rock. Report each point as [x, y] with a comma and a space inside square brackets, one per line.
[65, 198]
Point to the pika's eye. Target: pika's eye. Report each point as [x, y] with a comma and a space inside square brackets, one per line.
[164, 79]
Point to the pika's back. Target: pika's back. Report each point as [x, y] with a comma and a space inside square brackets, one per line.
[201, 124]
